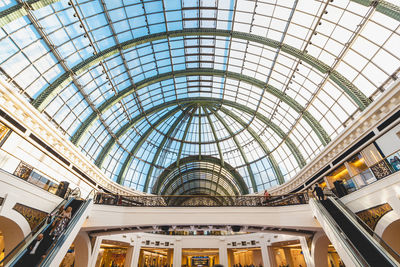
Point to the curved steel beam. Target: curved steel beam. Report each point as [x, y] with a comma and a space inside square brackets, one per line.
[383, 7]
[160, 147]
[198, 180]
[264, 147]
[236, 176]
[142, 139]
[292, 147]
[197, 192]
[111, 142]
[314, 124]
[238, 145]
[234, 187]
[17, 11]
[53, 89]
[221, 156]
[178, 158]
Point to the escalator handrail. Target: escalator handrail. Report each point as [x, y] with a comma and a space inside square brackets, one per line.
[53, 250]
[370, 231]
[21, 246]
[338, 232]
[350, 215]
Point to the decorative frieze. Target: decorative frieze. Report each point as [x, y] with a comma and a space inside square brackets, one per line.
[372, 215]
[33, 216]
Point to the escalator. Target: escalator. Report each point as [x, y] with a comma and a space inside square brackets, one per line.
[53, 246]
[352, 237]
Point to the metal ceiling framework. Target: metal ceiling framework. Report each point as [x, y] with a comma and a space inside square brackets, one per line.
[168, 177]
[53, 89]
[195, 172]
[275, 166]
[18, 11]
[205, 107]
[196, 183]
[84, 127]
[172, 180]
[239, 146]
[106, 105]
[193, 104]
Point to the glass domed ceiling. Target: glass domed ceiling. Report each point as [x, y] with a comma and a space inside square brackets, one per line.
[262, 86]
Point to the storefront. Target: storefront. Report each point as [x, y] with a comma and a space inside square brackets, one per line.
[287, 253]
[245, 257]
[200, 257]
[112, 254]
[155, 257]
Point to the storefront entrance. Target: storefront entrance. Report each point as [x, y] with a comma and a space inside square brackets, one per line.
[200, 257]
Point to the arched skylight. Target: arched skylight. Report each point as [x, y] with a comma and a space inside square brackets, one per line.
[139, 85]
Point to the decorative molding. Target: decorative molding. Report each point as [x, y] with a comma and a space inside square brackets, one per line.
[4, 133]
[13, 103]
[372, 215]
[33, 216]
[23, 170]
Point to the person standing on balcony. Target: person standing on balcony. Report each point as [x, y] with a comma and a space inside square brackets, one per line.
[267, 196]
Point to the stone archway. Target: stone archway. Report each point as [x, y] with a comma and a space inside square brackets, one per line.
[82, 249]
[391, 235]
[319, 250]
[12, 233]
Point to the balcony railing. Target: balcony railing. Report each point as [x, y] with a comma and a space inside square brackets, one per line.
[375, 172]
[201, 200]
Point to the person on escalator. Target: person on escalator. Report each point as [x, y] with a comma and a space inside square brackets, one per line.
[64, 219]
[35, 252]
[320, 193]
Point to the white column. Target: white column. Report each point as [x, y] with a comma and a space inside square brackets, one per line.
[83, 249]
[319, 249]
[306, 252]
[223, 253]
[95, 251]
[272, 258]
[136, 252]
[129, 256]
[177, 253]
[264, 252]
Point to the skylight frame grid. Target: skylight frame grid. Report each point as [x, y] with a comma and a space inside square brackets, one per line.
[22, 27]
[66, 20]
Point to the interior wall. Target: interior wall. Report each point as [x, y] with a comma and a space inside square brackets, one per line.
[16, 148]
[1, 246]
[390, 141]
